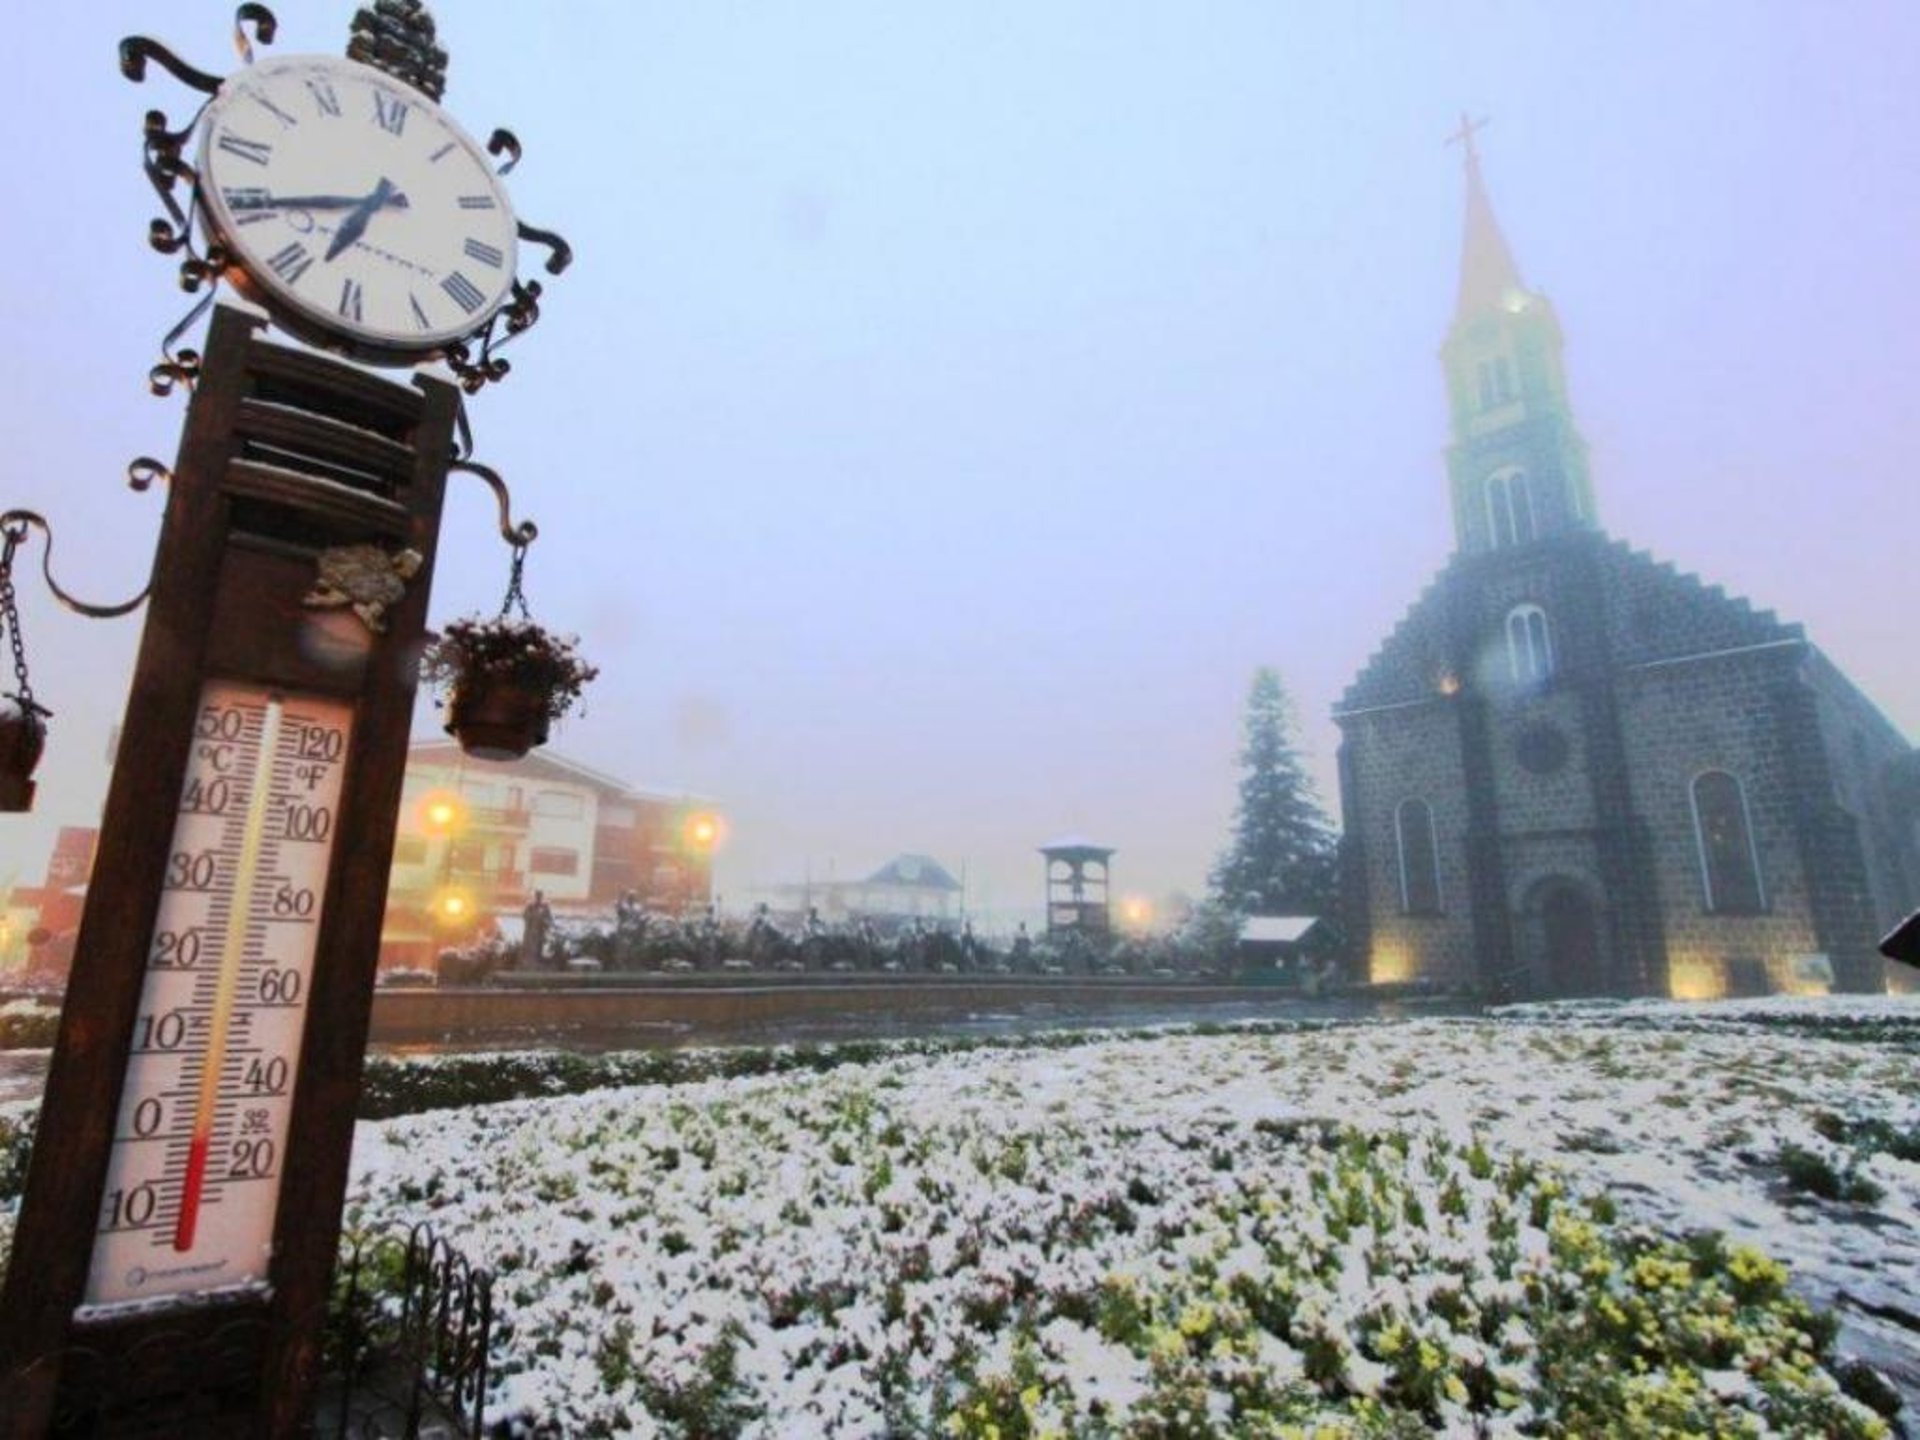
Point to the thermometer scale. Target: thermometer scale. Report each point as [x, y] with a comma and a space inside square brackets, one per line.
[193, 1182]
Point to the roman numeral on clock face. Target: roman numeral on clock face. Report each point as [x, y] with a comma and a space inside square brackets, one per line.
[389, 113]
[350, 299]
[250, 204]
[290, 263]
[485, 254]
[476, 202]
[463, 291]
[272, 109]
[324, 97]
[258, 151]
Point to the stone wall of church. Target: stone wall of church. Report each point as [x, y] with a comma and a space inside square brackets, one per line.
[1863, 748]
[1718, 713]
[1412, 753]
[1539, 764]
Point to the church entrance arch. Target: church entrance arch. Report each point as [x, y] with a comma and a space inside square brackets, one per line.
[1564, 927]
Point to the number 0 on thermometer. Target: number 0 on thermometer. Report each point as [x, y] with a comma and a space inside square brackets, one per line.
[200, 1142]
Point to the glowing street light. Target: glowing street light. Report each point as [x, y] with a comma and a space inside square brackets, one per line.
[452, 907]
[1136, 913]
[702, 832]
[443, 812]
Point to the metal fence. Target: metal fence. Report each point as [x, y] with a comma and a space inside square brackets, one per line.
[407, 1340]
[404, 1338]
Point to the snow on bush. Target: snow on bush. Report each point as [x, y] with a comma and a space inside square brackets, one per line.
[1156, 1238]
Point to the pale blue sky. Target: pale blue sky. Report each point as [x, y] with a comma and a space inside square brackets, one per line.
[951, 406]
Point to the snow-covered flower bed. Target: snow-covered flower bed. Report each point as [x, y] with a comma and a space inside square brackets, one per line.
[1385, 1229]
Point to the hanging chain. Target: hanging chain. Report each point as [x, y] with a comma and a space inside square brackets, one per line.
[10, 615]
[516, 598]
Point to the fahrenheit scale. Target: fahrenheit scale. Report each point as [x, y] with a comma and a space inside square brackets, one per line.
[193, 1185]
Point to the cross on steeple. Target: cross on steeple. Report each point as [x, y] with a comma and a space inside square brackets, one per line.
[1464, 136]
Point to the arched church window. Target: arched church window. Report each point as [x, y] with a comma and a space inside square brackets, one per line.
[1509, 508]
[1419, 862]
[1520, 503]
[1529, 645]
[1729, 865]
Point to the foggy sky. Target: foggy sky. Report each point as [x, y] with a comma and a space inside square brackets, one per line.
[950, 407]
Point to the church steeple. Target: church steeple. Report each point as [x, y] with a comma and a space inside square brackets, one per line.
[1487, 272]
[1517, 464]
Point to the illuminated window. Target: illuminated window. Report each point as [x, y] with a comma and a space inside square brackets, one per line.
[1509, 508]
[1419, 864]
[1529, 645]
[551, 860]
[1729, 865]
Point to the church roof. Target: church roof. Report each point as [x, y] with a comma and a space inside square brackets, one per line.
[1488, 275]
[1654, 613]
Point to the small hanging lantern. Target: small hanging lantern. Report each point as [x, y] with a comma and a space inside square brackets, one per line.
[23, 730]
[504, 680]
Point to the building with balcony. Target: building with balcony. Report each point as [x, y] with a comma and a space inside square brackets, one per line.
[477, 839]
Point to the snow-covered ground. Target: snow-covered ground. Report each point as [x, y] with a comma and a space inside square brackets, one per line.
[794, 1255]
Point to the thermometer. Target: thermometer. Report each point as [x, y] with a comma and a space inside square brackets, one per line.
[193, 1185]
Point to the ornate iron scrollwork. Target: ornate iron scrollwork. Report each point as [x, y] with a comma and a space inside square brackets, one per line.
[396, 36]
[518, 536]
[163, 158]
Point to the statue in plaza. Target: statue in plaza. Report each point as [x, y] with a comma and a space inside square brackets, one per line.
[1021, 956]
[538, 922]
[813, 941]
[629, 930]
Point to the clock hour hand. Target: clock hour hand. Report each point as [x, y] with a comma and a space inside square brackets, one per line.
[355, 225]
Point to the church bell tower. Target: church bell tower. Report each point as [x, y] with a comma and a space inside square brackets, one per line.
[1518, 466]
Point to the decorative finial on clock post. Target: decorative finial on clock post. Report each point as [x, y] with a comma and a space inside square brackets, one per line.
[397, 36]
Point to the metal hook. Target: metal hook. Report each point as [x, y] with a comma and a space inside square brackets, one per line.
[15, 523]
[264, 26]
[504, 141]
[560, 254]
[518, 536]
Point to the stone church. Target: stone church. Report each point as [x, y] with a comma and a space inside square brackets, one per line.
[1575, 770]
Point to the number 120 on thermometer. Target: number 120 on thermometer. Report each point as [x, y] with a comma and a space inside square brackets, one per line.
[200, 1140]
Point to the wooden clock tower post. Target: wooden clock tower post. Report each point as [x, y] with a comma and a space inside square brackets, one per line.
[172, 1263]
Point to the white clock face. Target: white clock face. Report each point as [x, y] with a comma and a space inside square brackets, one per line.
[355, 202]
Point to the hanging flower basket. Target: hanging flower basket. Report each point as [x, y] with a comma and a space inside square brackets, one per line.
[503, 682]
[23, 735]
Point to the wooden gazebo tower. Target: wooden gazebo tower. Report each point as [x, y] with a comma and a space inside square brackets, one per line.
[1077, 871]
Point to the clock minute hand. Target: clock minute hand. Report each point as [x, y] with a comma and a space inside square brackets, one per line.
[395, 201]
[355, 225]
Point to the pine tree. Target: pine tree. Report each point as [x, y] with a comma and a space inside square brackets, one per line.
[1280, 860]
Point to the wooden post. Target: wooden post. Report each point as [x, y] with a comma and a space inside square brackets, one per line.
[285, 455]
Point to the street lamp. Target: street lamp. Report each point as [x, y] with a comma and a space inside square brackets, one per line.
[701, 833]
[443, 813]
